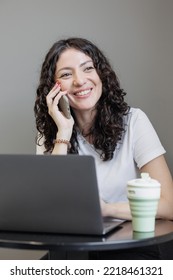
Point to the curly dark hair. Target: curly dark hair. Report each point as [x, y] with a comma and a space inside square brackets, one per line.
[108, 128]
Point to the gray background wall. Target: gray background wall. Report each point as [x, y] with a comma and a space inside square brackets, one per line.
[136, 35]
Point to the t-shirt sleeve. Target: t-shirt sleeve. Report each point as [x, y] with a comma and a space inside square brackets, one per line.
[146, 143]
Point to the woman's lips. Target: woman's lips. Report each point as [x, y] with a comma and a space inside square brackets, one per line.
[83, 92]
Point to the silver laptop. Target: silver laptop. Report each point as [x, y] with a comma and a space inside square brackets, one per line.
[55, 194]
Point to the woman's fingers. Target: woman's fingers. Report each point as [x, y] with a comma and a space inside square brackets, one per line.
[52, 94]
[52, 100]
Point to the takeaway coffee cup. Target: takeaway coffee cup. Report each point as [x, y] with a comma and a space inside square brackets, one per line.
[143, 195]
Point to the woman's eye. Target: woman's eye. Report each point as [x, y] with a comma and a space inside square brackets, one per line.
[89, 68]
[65, 75]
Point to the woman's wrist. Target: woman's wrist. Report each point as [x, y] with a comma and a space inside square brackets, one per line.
[62, 141]
[118, 210]
[63, 135]
[106, 209]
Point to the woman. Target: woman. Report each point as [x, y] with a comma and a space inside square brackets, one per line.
[121, 139]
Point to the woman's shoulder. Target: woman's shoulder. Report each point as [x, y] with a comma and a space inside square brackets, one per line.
[136, 111]
[136, 114]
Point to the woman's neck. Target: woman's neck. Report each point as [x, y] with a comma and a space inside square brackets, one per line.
[84, 120]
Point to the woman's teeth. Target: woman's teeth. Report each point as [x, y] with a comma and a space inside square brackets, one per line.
[81, 93]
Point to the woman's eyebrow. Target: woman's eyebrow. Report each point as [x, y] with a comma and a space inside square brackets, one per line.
[69, 68]
[82, 64]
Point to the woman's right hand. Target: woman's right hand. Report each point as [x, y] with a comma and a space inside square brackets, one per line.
[63, 124]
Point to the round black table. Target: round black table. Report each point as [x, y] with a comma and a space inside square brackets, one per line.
[121, 238]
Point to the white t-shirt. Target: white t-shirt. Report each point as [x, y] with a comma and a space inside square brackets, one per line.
[140, 144]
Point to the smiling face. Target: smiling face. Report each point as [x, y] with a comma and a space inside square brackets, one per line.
[77, 74]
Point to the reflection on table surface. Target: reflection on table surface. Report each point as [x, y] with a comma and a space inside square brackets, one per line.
[120, 238]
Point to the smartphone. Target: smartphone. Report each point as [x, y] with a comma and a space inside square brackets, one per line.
[64, 106]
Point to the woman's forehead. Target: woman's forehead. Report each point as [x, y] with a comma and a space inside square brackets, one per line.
[71, 57]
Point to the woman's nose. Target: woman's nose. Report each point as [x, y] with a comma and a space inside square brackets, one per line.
[79, 79]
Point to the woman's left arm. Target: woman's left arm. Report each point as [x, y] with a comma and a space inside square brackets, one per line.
[158, 169]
